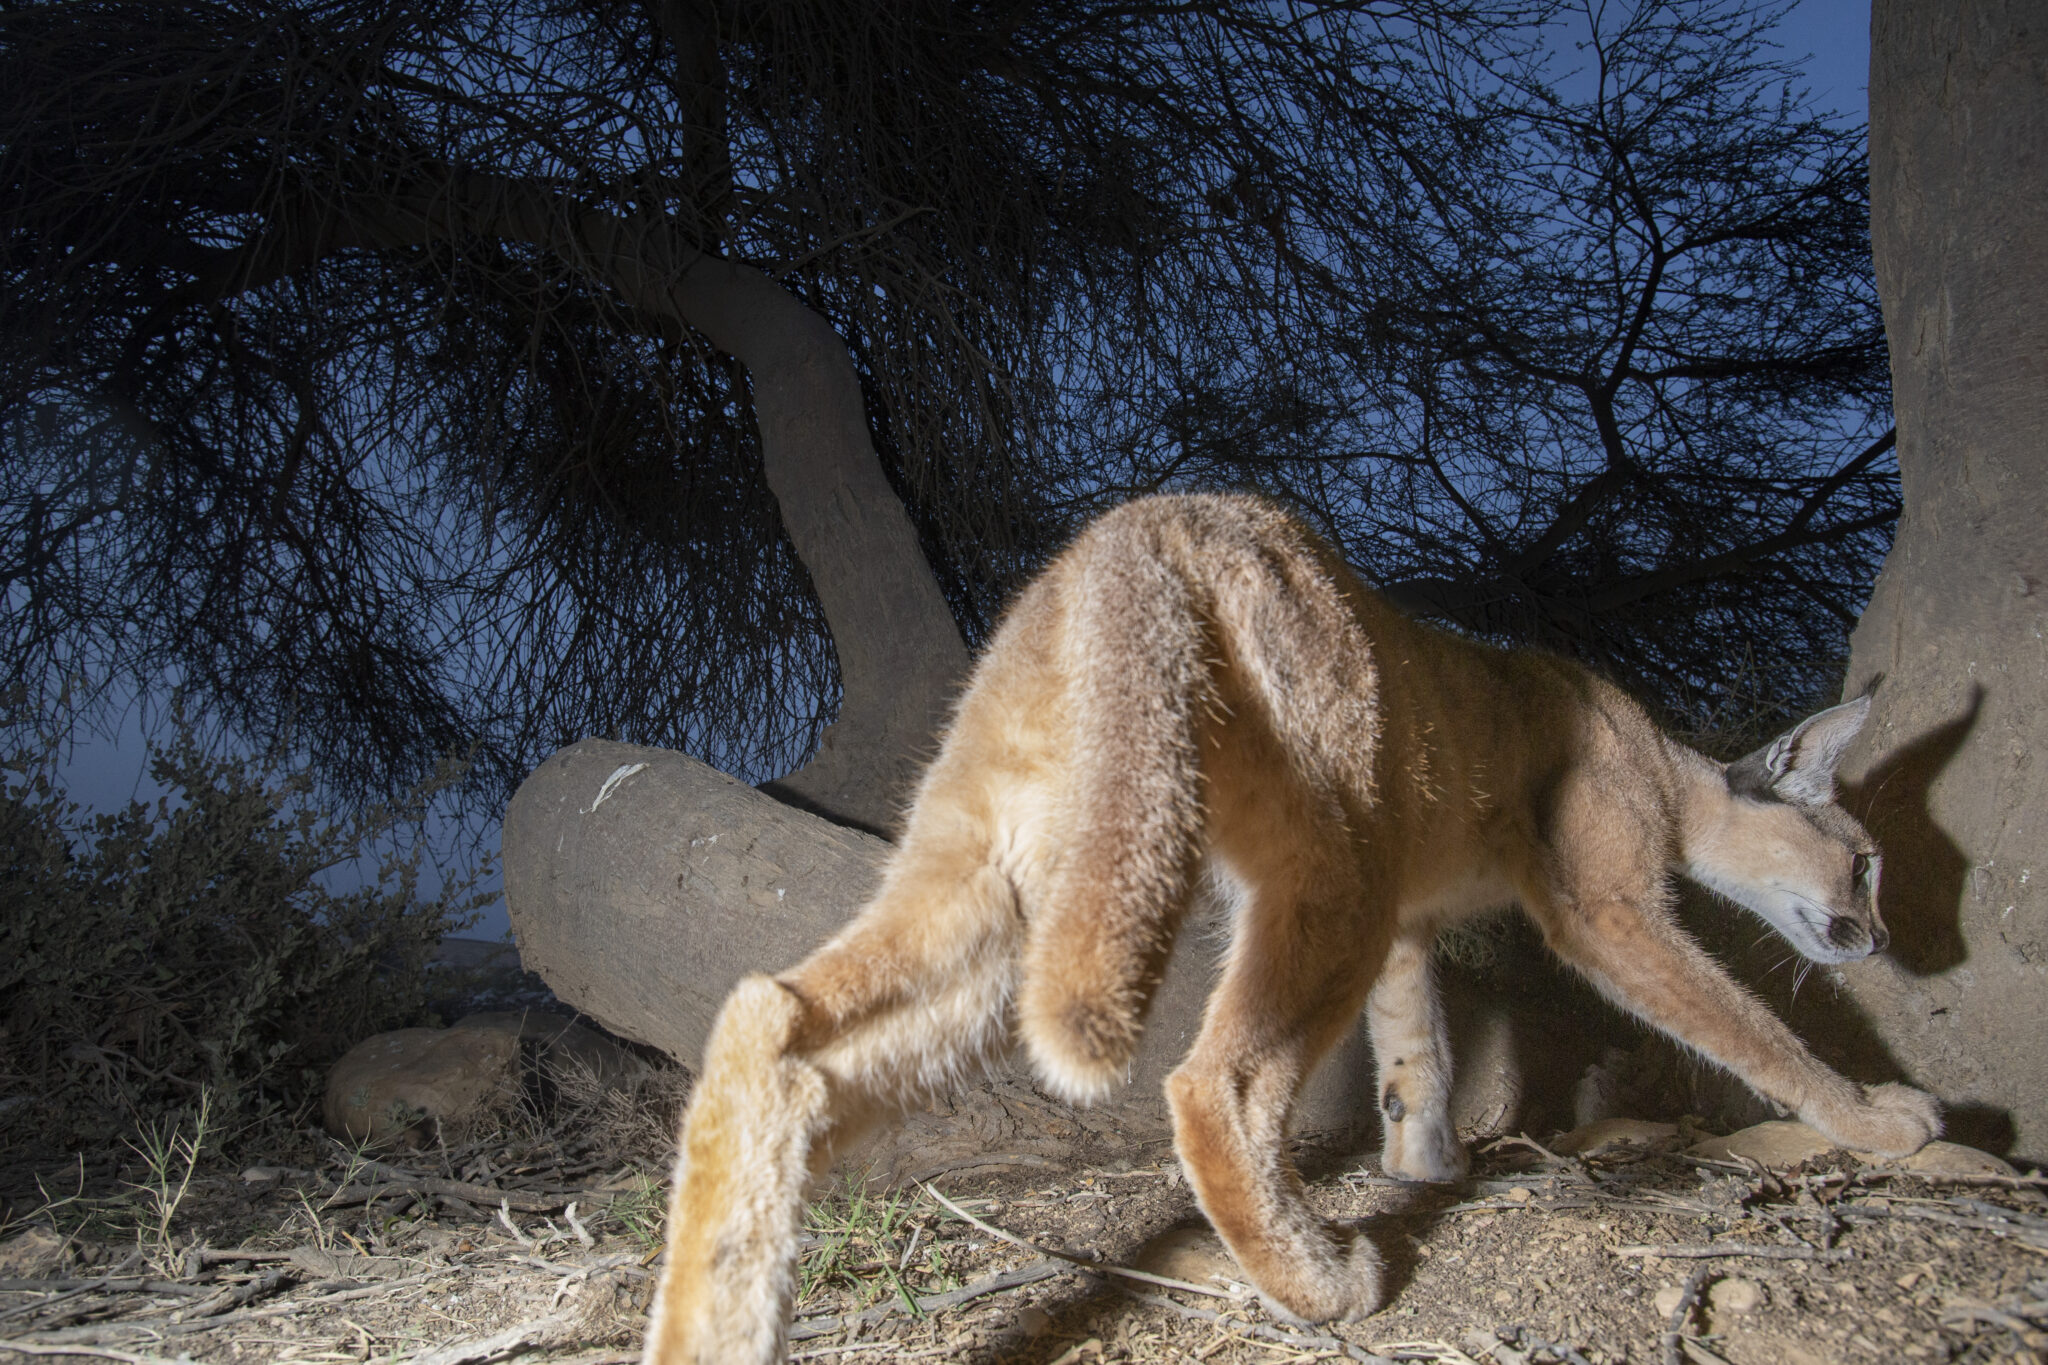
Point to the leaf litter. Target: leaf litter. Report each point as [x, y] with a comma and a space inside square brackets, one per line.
[542, 1246]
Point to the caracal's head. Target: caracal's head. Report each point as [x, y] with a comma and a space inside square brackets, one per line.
[1778, 845]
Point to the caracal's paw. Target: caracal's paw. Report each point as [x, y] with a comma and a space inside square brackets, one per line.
[1416, 1149]
[1343, 1284]
[1889, 1120]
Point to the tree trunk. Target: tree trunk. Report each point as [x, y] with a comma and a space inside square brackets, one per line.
[900, 652]
[1953, 769]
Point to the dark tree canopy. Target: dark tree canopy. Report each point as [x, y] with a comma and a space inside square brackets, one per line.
[365, 368]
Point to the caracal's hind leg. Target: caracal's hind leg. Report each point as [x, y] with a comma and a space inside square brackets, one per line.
[913, 993]
[1412, 1050]
[1297, 975]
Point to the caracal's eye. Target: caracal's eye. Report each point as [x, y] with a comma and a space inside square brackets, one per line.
[1859, 868]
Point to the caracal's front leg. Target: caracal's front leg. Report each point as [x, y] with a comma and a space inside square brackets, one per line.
[1643, 961]
[1411, 1049]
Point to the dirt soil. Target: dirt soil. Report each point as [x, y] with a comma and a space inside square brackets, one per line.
[473, 1256]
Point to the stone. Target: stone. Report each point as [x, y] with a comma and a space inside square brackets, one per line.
[1195, 1255]
[1776, 1144]
[1666, 1300]
[1787, 1142]
[348, 1265]
[1736, 1296]
[1952, 1158]
[1611, 1137]
[37, 1253]
[410, 1085]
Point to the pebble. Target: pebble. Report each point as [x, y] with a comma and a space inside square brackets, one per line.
[1735, 1295]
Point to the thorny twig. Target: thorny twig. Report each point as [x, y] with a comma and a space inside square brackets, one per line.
[1674, 1327]
[1684, 1252]
[1096, 1267]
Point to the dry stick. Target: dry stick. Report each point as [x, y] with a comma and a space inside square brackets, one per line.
[31, 1348]
[539, 1332]
[2024, 1234]
[1094, 1267]
[806, 1328]
[975, 1162]
[479, 1196]
[1683, 1251]
[1524, 1140]
[2035, 1181]
[134, 1284]
[1674, 1328]
[208, 1256]
[2028, 1334]
[233, 1297]
[1300, 1341]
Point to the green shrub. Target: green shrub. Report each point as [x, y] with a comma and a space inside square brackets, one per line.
[152, 955]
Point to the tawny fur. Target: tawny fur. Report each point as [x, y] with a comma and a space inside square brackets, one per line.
[1199, 678]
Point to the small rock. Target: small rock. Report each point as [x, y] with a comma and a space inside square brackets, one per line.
[1608, 1136]
[1196, 1255]
[347, 1265]
[1777, 1144]
[1735, 1295]
[409, 1084]
[1034, 1322]
[1666, 1300]
[1952, 1158]
[1518, 1195]
[405, 1085]
[35, 1254]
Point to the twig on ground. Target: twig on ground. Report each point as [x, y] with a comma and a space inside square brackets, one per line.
[397, 1180]
[2032, 1337]
[209, 1257]
[1441, 1352]
[576, 1226]
[1674, 1326]
[931, 1303]
[893, 1347]
[1094, 1267]
[1524, 1140]
[1300, 1341]
[539, 1332]
[133, 1284]
[505, 1218]
[32, 1348]
[1869, 1173]
[232, 1297]
[1684, 1251]
[918, 1177]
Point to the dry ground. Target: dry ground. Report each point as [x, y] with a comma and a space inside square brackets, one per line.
[473, 1255]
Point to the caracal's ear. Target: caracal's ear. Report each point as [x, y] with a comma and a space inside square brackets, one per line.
[1799, 765]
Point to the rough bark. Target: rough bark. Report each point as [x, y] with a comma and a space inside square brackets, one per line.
[900, 654]
[1951, 768]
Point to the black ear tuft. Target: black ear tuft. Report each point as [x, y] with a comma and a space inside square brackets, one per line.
[1752, 777]
[1799, 765]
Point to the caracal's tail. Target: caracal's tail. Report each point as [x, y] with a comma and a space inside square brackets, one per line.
[1161, 600]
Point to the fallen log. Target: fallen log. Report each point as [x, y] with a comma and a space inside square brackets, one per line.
[642, 884]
